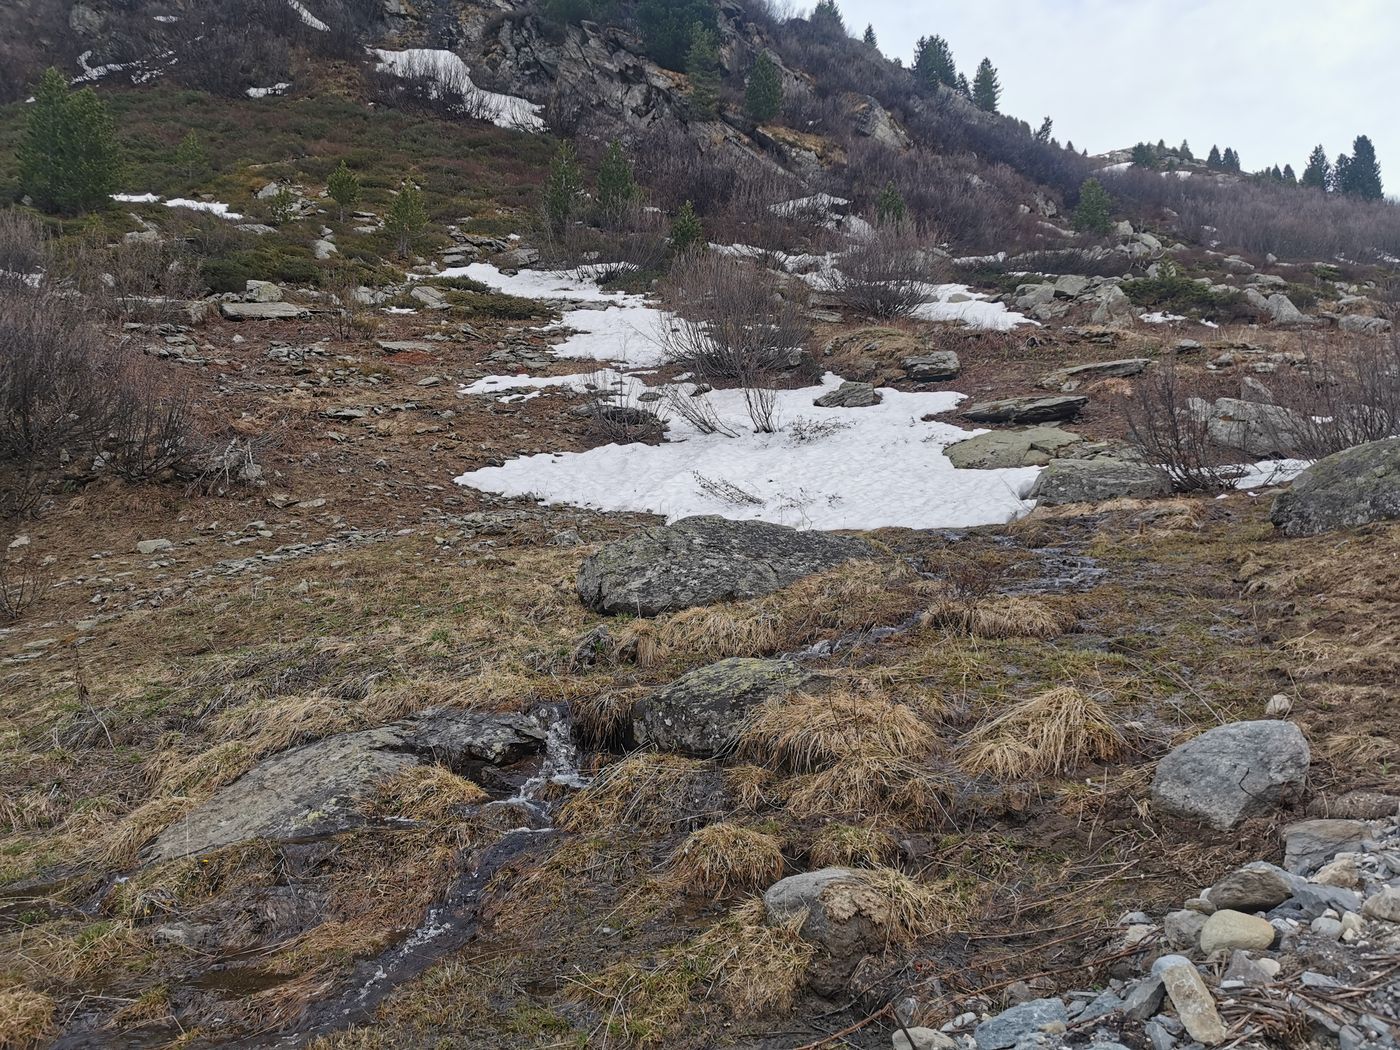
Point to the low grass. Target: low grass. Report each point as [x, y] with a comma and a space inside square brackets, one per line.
[1052, 733]
[26, 1019]
[725, 858]
[758, 966]
[814, 731]
[839, 845]
[643, 790]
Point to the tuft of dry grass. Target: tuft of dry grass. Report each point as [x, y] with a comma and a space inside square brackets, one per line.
[725, 858]
[759, 967]
[122, 845]
[751, 786]
[1050, 733]
[853, 846]
[1359, 749]
[644, 790]
[872, 786]
[427, 793]
[26, 1019]
[811, 731]
[999, 616]
[854, 596]
[603, 718]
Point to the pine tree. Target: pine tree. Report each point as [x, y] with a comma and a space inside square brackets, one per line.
[1047, 127]
[617, 186]
[1070, 146]
[933, 63]
[1094, 214]
[687, 232]
[562, 189]
[69, 160]
[1230, 160]
[1143, 157]
[190, 157]
[1289, 175]
[1318, 174]
[1184, 151]
[962, 87]
[763, 99]
[986, 88]
[1215, 161]
[406, 217]
[827, 14]
[869, 37]
[1276, 173]
[702, 65]
[667, 27]
[1363, 174]
[1340, 168]
[344, 188]
[890, 208]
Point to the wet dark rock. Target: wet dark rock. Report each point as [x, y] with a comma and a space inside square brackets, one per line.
[703, 712]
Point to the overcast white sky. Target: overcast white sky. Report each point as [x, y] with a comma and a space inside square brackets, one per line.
[1272, 78]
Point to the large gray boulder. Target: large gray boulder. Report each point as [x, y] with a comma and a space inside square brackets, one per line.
[1232, 772]
[262, 311]
[703, 712]
[1095, 480]
[1003, 449]
[700, 561]
[935, 367]
[849, 395]
[319, 789]
[1021, 1024]
[1252, 427]
[1027, 410]
[1355, 487]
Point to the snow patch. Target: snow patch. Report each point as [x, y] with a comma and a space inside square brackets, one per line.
[452, 74]
[307, 17]
[265, 92]
[223, 211]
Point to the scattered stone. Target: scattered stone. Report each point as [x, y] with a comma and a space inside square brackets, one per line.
[1228, 929]
[1027, 410]
[1004, 449]
[703, 712]
[1359, 324]
[1279, 706]
[153, 546]
[1096, 480]
[1231, 772]
[1357, 805]
[937, 367]
[1192, 999]
[1144, 999]
[1246, 970]
[324, 249]
[850, 395]
[1255, 887]
[700, 561]
[263, 292]
[1251, 427]
[1312, 843]
[1355, 487]
[921, 1039]
[1182, 929]
[1011, 1027]
[1341, 873]
[1383, 905]
[1067, 380]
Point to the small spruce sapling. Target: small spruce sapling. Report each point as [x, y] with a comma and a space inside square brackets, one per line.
[1094, 213]
[763, 99]
[406, 218]
[687, 232]
[343, 187]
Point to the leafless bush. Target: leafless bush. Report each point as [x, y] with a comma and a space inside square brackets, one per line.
[23, 582]
[226, 48]
[638, 244]
[424, 83]
[891, 274]
[139, 279]
[692, 405]
[1165, 422]
[732, 321]
[1346, 394]
[220, 466]
[23, 248]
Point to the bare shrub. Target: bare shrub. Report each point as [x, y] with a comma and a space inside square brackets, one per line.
[732, 321]
[1172, 432]
[23, 248]
[1345, 394]
[220, 466]
[889, 275]
[621, 417]
[692, 405]
[23, 582]
[638, 245]
[422, 82]
[227, 48]
[139, 279]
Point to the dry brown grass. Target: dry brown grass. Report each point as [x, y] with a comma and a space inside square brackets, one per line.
[855, 596]
[751, 786]
[26, 1019]
[427, 793]
[999, 616]
[1359, 749]
[725, 858]
[643, 790]
[1051, 733]
[759, 967]
[839, 845]
[121, 847]
[603, 718]
[874, 786]
[810, 732]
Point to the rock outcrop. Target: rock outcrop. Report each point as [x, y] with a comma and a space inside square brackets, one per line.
[1355, 487]
[703, 712]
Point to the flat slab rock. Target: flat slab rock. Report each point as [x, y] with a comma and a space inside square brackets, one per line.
[318, 789]
[1232, 772]
[701, 561]
[1095, 480]
[1027, 410]
[262, 311]
[1005, 449]
[1067, 380]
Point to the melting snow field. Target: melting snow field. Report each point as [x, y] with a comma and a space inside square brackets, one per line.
[452, 74]
[827, 468]
[223, 211]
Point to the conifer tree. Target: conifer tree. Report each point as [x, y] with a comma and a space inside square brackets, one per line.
[562, 189]
[69, 160]
[1184, 150]
[1276, 173]
[1046, 128]
[1230, 160]
[1363, 173]
[1340, 173]
[828, 15]
[1094, 214]
[344, 188]
[1070, 146]
[763, 98]
[617, 186]
[962, 87]
[702, 66]
[1143, 157]
[190, 157]
[406, 217]
[933, 63]
[687, 232]
[1289, 175]
[869, 37]
[1215, 161]
[986, 88]
[1318, 173]
[890, 208]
